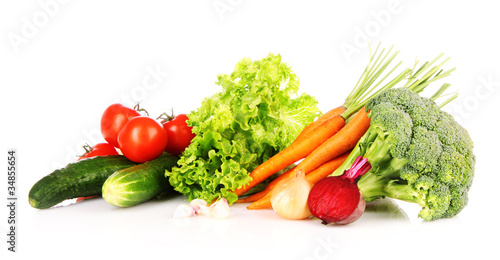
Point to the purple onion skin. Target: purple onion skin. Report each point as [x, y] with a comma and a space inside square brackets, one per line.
[356, 214]
[335, 199]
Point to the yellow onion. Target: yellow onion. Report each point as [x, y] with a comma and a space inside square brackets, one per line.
[289, 197]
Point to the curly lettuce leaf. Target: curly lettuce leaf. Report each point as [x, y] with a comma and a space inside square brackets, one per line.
[257, 114]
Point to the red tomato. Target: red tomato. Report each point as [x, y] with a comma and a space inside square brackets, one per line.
[100, 149]
[142, 139]
[112, 121]
[179, 134]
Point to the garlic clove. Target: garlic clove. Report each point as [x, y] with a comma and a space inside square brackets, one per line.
[207, 211]
[220, 209]
[184, 211]
[198, 205]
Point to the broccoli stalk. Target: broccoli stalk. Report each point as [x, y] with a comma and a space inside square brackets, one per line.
[417, 152]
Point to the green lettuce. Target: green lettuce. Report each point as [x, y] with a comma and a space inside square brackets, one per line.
[258, 113]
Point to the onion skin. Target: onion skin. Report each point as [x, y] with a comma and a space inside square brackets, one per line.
[334, 199]
[289, 200]
[358, 212]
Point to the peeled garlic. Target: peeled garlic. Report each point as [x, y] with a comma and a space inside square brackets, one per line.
[198, 205]
[220, 209]
[207, 211]
[289, 198]
[184, 211]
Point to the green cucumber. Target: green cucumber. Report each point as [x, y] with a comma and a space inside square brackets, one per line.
[137, 184]
[79, 179]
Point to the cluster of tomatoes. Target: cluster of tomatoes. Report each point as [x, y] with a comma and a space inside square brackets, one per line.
[140, 138]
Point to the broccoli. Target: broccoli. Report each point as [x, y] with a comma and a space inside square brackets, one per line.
[418, 154]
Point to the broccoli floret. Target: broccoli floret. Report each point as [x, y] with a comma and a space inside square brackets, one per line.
[434, 197]
[458, 201]
[418, 154]
[391, 131]
[424, 150]
[454, 167]
[452, 134]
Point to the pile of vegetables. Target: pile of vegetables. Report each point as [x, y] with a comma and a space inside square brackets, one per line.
[259, 141]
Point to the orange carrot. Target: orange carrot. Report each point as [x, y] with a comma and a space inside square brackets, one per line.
[263, 203]
[321, 172]
[326, 116]
[299, 149]
[326, 169]
[338, 144]
[249, 198]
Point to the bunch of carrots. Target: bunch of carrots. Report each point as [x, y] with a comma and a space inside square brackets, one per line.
[324, 144]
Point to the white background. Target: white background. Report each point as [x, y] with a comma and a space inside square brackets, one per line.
[63, 63]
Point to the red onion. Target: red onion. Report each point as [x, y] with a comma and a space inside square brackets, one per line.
[337, 199]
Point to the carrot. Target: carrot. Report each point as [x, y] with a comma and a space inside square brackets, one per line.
[326, 116]
[299, 149]
[250, 198]
[321, 172]
[262, 203]
[326, 169]
[338, 144]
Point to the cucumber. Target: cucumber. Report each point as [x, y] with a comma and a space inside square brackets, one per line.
[137, 184]
[79, 179]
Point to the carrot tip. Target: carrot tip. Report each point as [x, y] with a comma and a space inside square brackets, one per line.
[250, 207]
